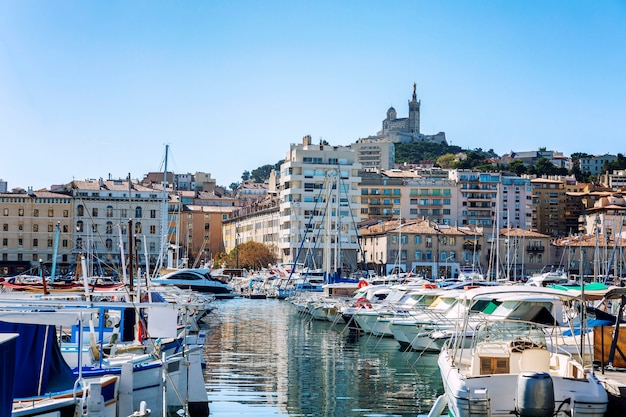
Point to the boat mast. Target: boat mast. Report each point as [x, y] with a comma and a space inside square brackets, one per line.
[338, 222]
[163, 214]
[55, 251]
[327, 230]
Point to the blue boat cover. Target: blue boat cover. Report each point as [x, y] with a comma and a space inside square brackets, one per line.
[40, 366]
[7, 376]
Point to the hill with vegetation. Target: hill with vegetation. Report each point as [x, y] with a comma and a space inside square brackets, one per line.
[452, 156]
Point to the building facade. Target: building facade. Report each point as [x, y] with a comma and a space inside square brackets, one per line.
[426, 248]
[36, 226]
[319, 206]
[107, 212]
[549, 203]
[594, 165]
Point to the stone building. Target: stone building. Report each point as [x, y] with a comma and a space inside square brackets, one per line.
[426, 248]
[33, 223]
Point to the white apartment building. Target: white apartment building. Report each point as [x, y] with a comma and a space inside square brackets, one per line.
[490, 199]
[616, 180]
[319, 207]
[374, 155]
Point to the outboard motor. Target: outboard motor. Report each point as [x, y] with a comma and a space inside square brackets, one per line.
[535, 395]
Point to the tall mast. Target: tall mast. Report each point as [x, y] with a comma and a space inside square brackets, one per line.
[338, 222]
[164, 228]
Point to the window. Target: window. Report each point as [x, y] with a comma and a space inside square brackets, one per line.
[20, 227]
[138, 212]
[36, 213]
[94, 212]
[66, 213]
[20, 212]
[152, 229]
[50, 243]
[79, 243]
[109, 211]
[5, 242]
[108, 244]
[79, 226]
[20, 242]
[109, 228]
[418, 240]
[50, 212]
[35, 242]
[65, 228]
[418, 255]
[124, 213]
[64, 243]
[80, 211]
[138, 244]
[152, 246]
[5, 227]
[153, 214]
[138, 227]
[6, 211]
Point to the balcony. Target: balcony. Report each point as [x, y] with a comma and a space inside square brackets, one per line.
[535, 248]
[471, 246]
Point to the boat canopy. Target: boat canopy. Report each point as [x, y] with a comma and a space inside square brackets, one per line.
[41, 365]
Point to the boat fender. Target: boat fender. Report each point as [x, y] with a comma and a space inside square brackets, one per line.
[363, 302]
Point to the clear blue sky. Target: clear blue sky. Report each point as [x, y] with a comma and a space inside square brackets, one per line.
[90, 89]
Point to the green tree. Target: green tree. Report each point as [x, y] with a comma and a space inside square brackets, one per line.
[416, 152]
[262, 173]
[618, 164]
[543, 166]
[473, 159]
[250, 255]
[517, 167]
[446, 160]
[245, 176]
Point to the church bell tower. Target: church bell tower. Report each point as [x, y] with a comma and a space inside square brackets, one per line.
[414, 113]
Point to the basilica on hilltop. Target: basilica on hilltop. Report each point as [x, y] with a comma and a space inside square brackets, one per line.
[406, 129]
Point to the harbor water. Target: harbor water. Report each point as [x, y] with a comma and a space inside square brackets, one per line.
[266, 359]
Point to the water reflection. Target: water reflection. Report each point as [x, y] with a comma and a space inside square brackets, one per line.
[265, 359]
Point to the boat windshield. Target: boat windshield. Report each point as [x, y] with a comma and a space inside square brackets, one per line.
[510, 332]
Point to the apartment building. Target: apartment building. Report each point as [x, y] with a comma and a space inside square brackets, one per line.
[428, 249]
[594, 165]
[549, 203]
[319, 206]
[103, 212]
[36, 225]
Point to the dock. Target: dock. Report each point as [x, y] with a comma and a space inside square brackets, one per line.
[614, 382]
